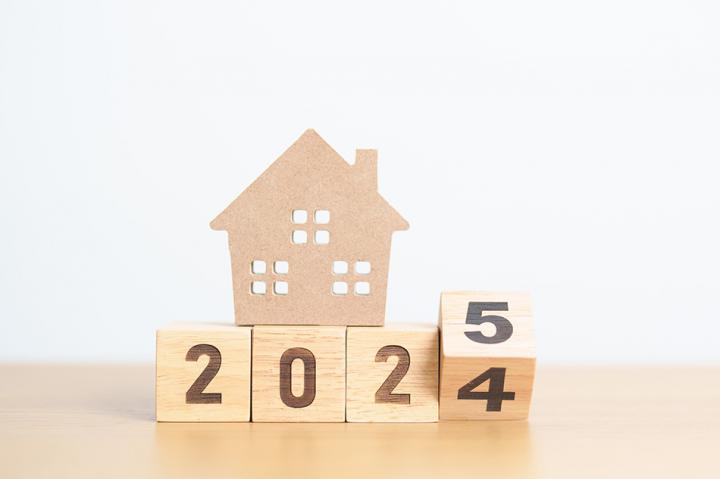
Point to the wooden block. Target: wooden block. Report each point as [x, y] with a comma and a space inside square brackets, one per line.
[487, 361]
[298, 374]
[392, 373]
[203, 373]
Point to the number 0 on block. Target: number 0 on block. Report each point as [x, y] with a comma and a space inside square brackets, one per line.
[298, 374]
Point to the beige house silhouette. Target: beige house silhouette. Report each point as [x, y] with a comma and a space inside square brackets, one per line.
[310, 240]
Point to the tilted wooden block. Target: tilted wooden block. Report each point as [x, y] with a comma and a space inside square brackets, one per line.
[392, 373]
[298, 374]
[203, 373]
[487, 362]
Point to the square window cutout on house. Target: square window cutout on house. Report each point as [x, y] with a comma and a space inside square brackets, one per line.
[281, 267]
[257, 287]
[299, 217]
[299, 237]
[280, 288]
[322, 217]
[322, 237]
[339, 288]
[258, 267]
[340, 267]
[362, 267]
[362, 288]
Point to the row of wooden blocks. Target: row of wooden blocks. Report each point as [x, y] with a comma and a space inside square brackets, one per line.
[480, 364]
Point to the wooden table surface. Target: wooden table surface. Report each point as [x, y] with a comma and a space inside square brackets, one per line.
[98, 421]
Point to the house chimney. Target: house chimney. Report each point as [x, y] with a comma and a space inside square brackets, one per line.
[366, 168]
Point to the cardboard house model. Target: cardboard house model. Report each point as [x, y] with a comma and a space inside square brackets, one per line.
[310, 240]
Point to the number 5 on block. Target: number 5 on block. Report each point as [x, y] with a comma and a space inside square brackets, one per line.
[487, 363]
[203, 373]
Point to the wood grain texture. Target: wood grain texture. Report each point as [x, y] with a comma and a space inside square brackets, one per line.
[463, 359]
[625, 420]
[183, 357]
[415, 397]
[327, 345]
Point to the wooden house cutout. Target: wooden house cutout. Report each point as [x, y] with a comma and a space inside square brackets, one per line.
[310, 240]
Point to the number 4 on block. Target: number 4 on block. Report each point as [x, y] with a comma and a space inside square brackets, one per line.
[487, 363]
[203, 373]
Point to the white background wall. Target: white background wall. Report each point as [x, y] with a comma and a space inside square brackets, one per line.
[562, 147]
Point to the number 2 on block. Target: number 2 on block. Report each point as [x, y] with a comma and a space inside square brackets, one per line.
[385, 394]
[196, 394]
[495, 394]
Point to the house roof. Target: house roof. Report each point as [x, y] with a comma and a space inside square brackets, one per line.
[310, 158]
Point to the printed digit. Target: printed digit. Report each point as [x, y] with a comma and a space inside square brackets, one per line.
[195, 394]
[286, 394]
[385, 393]
[495, 394]
[503, 327]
